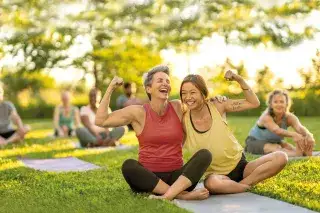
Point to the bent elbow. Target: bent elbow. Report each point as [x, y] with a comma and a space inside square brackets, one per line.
[98, 122]
[277, 131]
[257, 104]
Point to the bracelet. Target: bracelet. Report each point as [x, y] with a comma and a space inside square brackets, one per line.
[245, 89]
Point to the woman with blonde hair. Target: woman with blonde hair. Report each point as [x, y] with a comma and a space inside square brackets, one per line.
[267, 135]
[66, 117]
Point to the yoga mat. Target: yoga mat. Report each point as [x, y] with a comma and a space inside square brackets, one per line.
[69, 164]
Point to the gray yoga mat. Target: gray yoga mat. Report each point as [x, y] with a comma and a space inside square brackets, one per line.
[69, 164]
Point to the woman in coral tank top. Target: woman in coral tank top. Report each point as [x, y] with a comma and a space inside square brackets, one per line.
[158, 127]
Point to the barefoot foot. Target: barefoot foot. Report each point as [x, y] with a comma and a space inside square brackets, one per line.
[197, 194]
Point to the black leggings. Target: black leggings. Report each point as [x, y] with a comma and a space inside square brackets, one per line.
[141, 179]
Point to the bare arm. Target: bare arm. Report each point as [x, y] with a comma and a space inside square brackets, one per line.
[119, 117]
[16, 119]
[269, 123]
[56, 119]
[251, 100]
[76, 117]
[309, 140]
[297, 126]
[86, 122]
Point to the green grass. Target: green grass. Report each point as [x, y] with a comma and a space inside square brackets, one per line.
[104, 190]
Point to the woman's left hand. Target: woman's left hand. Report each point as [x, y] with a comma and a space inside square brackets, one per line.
[309, 142]
[231, 76]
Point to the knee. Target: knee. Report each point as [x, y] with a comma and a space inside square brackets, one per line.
[205, 155]
[27, 128]
[271, 148]
[281, 158]
[80, 131]
[128, 166]
[212, 185]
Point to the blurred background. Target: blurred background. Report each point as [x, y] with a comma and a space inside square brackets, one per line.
[50, 45]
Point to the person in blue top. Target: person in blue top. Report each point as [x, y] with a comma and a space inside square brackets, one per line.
[129, 96]
[267, 135]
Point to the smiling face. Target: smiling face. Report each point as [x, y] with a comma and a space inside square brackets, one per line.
[191, 96]
[160, 86]
[279, 104]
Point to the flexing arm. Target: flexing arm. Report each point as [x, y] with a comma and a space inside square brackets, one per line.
[250, 101]
[117, 118]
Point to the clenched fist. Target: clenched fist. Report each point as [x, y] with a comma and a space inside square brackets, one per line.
[116, 82]
[230, 76]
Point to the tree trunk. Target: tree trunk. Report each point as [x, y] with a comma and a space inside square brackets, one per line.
[95, 74]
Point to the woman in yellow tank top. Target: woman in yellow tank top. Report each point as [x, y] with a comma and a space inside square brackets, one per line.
[205, 126]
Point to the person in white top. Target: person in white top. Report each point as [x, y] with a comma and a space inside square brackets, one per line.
[91, 135]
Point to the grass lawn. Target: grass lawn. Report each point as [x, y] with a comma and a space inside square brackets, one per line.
[104, 190]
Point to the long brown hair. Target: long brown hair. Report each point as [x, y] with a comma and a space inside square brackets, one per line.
[197, 81]
[278, 92]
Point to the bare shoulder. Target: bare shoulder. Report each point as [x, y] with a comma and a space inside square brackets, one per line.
[291, 118]
[220, 106]
[135, 109]
[176, 103]
[265, 117]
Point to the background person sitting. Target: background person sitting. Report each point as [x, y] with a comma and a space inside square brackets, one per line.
[128, 98]
[8, 114]
[66, 117]
[267, 134]
[91, 135]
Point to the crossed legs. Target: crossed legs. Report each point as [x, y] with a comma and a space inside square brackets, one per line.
[169, 185]
[254, 172]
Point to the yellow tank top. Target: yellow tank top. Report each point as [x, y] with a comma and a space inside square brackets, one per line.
[219, 140]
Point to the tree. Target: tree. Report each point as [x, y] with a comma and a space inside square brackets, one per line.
[127, 60]
[311, 76]
[43, 32]
[218, 83]
[264, 80]
[34, 82]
